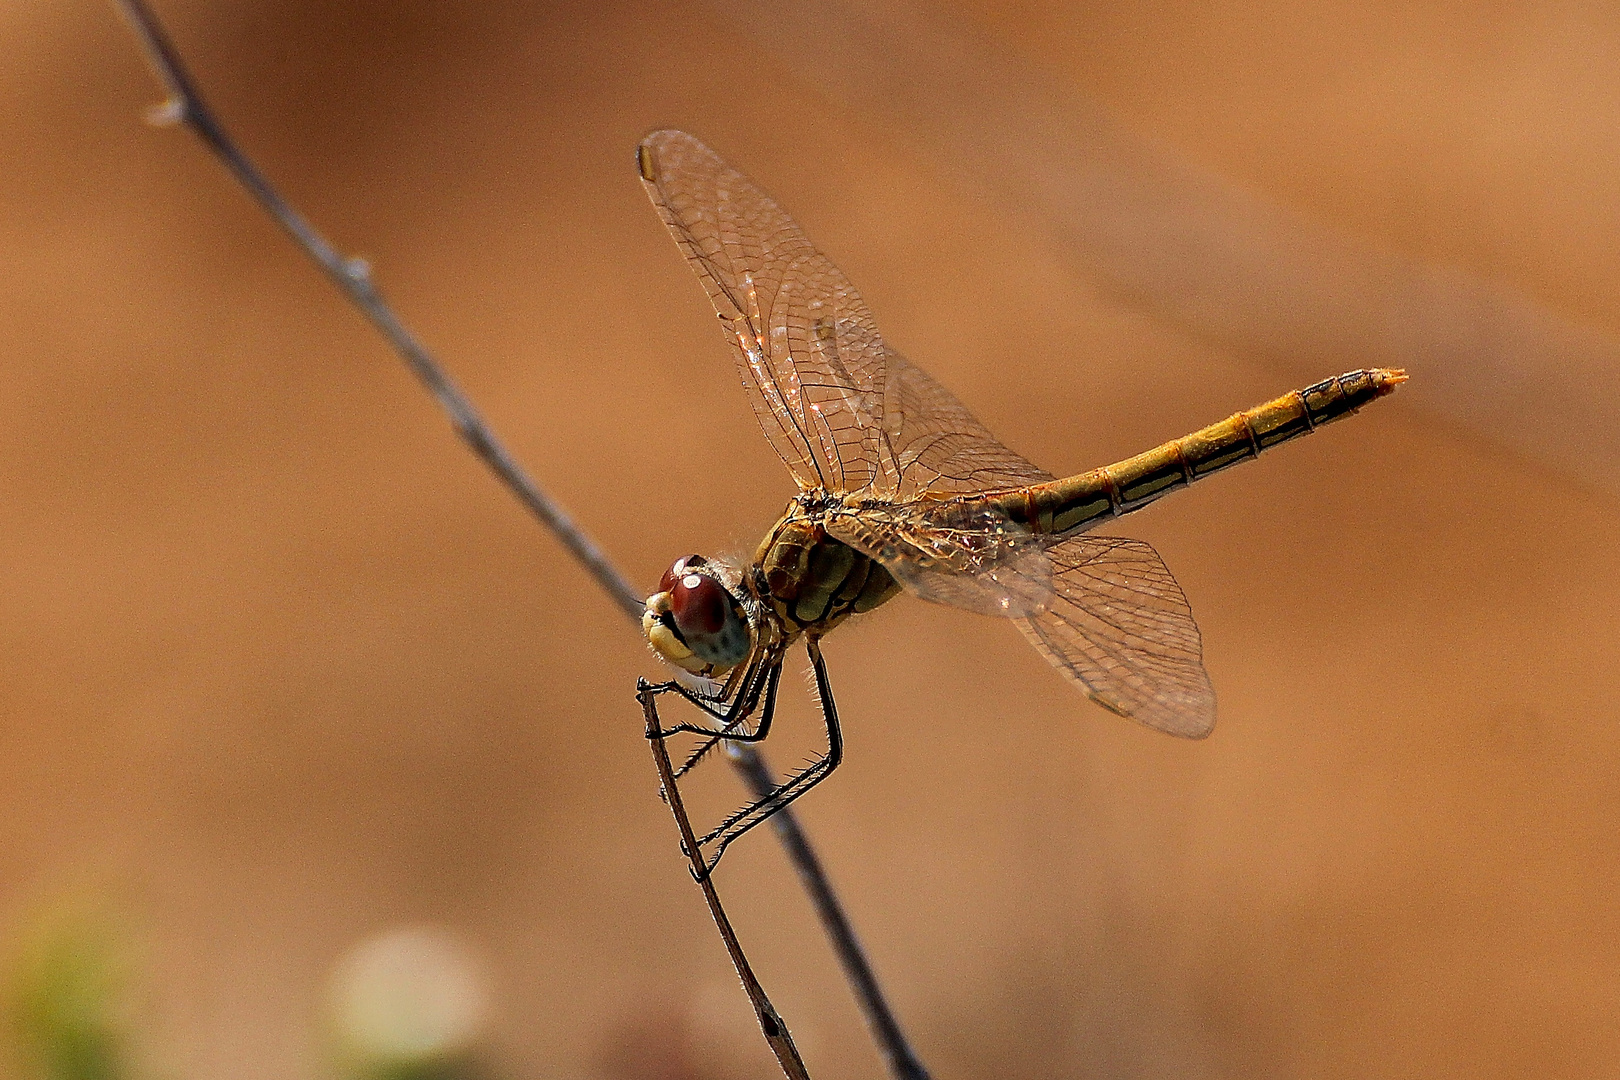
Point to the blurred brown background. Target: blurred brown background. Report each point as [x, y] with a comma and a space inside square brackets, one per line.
[284, 667]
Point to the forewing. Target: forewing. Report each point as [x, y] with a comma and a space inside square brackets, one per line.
[1118, 624]
[806, 345]
[938, 446]
[966, 555]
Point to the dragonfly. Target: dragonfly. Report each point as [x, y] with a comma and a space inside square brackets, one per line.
[901, 489]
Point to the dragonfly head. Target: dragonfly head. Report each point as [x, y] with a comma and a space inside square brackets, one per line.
[695, 620]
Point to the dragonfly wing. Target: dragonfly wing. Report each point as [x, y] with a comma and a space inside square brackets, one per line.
[938, 446]
[807, 347]
[1118, 625]
[966, 555]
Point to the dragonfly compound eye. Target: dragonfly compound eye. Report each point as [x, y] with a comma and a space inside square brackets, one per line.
[700, 605]
[693, 620]
[679, 570]
[706, 618]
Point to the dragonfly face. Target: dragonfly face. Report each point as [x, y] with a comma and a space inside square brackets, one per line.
[695, 620]
[802, 581]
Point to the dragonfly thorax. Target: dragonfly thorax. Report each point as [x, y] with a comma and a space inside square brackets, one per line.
[811, 581]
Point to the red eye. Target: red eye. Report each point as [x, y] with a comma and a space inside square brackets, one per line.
[676, 572]
[699, 604]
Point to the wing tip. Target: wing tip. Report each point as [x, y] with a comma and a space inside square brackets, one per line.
[653, 145]
[1195, 723]
[661, 135]
[1205, 728]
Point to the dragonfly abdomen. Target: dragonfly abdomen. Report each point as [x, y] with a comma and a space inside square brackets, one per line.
[1078, 502]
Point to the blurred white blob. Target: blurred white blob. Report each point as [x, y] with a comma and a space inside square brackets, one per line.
[407, 996]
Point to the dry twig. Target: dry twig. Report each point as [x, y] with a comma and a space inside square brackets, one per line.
[353, 276]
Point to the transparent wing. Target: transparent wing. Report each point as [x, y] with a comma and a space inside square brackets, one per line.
[1118, 624]
[807, 347]
[843, 410]
[938, 446]
[964, 554]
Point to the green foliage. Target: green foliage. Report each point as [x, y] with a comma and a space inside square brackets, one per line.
[64, 1000]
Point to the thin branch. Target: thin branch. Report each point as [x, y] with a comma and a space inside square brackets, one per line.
[353, 277]
[776, 1032]
[880, 1019]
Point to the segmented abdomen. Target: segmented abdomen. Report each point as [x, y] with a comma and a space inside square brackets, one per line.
[1078, 502]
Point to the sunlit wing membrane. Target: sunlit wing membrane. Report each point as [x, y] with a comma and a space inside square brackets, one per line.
[965, 555]
[938, 446]
[1118, 624]
[807, 347]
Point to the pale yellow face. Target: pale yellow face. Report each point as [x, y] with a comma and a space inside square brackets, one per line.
[663, 638]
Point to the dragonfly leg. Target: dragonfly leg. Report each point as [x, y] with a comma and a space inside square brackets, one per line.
[721, 836]
[739, 703]
[648, 693]
[767, 713]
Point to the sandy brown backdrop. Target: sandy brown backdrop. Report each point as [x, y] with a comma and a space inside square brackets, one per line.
[282, 665]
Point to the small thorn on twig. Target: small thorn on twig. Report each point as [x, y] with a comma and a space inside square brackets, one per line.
[170, 113]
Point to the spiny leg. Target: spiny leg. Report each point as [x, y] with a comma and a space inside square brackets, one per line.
[724, 705]
[740, 700]
[669, 791]
[647, 694]
[767, 713]
[764, 674]
[795, 785]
